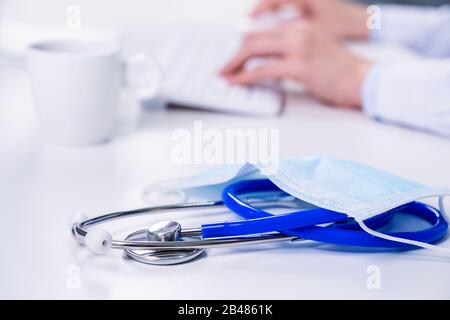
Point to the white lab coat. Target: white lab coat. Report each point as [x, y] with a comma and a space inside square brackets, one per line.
[414, 93]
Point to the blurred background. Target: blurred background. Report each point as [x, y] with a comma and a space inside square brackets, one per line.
[21, 20]
[411, 2]
[19, 17]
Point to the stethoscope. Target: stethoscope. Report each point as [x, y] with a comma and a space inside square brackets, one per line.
[166, 243]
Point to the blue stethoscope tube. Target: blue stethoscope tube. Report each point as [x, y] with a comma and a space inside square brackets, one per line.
[305, 224]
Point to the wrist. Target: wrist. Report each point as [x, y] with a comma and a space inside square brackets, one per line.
[360, 71]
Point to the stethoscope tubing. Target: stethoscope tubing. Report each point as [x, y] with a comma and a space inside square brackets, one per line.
[304, 224]
[251, 230]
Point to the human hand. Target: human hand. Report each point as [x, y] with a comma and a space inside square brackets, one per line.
[339, 18]
[302, 53]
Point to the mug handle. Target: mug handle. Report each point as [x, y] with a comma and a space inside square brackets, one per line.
[143, 76]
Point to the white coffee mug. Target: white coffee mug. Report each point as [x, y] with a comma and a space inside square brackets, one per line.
[76, 87]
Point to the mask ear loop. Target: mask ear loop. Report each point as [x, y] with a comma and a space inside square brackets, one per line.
[420, 244]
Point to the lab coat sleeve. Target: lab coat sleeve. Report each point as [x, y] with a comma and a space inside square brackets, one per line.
[425, 30]
[413, 93]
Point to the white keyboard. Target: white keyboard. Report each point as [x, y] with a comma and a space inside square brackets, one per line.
[191, 57]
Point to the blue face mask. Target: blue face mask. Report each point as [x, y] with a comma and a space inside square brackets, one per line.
[344, 186]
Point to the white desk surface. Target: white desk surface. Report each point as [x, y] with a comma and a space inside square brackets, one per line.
[42, 187]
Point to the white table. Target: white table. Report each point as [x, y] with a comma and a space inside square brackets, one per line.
[42, 187]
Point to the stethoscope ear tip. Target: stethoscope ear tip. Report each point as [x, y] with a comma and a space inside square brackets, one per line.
[78, 218]
[98, 241]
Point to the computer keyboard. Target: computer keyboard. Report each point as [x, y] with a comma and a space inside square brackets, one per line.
[190, 58]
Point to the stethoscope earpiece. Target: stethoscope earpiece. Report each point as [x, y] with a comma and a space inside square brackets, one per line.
[98, 241]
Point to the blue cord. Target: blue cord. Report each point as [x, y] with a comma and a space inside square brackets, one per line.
[304, 224]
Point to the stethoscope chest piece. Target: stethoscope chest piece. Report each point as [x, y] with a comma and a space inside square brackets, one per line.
[162, 231]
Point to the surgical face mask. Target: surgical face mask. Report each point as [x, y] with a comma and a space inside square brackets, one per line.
[344, 186]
